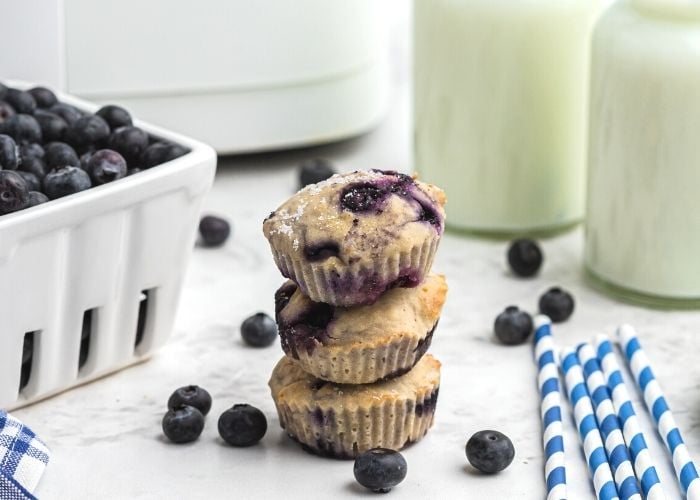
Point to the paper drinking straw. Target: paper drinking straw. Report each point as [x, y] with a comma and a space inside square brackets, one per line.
[631, 430]
[656, 405]
[550, 410]
[609, 424]
[589, 434]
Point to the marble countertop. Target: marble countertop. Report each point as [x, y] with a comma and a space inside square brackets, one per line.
[106, 436]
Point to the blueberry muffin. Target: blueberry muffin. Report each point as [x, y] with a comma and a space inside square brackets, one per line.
[343, 421]
[348, 239]
[363, 344]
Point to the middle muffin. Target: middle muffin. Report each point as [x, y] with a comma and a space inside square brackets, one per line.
[363, 344]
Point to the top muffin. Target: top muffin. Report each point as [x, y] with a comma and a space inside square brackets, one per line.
[348, 239]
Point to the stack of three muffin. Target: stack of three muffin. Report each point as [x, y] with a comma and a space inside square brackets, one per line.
[359, 311]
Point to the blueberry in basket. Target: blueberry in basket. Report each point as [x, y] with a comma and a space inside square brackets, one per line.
[55, 149]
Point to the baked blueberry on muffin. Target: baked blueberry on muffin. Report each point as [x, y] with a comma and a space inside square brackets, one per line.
[362, 344]
[343, 421]
[347, 240]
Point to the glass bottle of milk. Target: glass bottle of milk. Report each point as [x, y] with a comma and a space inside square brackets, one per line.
[500, 110]
[643, 224]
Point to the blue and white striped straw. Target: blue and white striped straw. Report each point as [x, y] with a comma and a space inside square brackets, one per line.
[609, 424]
[656, 404]
[550, 410]
[631, 429]
[589, 433]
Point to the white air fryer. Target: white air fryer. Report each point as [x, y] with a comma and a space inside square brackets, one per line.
[242, 75]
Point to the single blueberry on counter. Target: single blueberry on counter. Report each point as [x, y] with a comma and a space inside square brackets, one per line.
[36, 198]
[380, 469]
[22, 128]
[525, 257]
[557, 303]
[43, 97]
[214, 230]
[53, 127]
[259, 330]
[183, 424]
[65, 181]
[106, 166]
[115, 116]
[313, 171]
[9, 153]
[490, 451]
[21, 101]
[242, 425]
[191, 395]
[59, 154]
[13, 192]
[513, 326]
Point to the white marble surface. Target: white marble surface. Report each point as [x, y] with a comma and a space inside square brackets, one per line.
[106, 436]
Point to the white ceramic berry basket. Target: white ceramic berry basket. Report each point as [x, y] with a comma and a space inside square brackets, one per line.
[105, 264]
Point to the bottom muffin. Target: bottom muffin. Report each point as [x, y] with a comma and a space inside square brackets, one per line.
[343, 421]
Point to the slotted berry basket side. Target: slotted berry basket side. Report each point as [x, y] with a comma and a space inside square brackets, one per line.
[90, 284]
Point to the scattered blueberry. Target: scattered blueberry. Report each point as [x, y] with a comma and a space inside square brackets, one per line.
[313, 171]
[558, 304]
[64, 181]
[115, 116]
[21, 101]
[259, 330]
[513, 326]
[242, 425]
[33, 182]
[43, 97]
[6, 111]
[106, 166]
[36, 198]
[70, 114]
[86, 131]
[13, 192]
[161, 152]
[214, 230]
[9, 153]
[490, 451]
[524, 257]
[380, 469]
[60, 154]
[130, 142]
[191, 395]
[53, 127]
[22, 128]
[183, 424]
